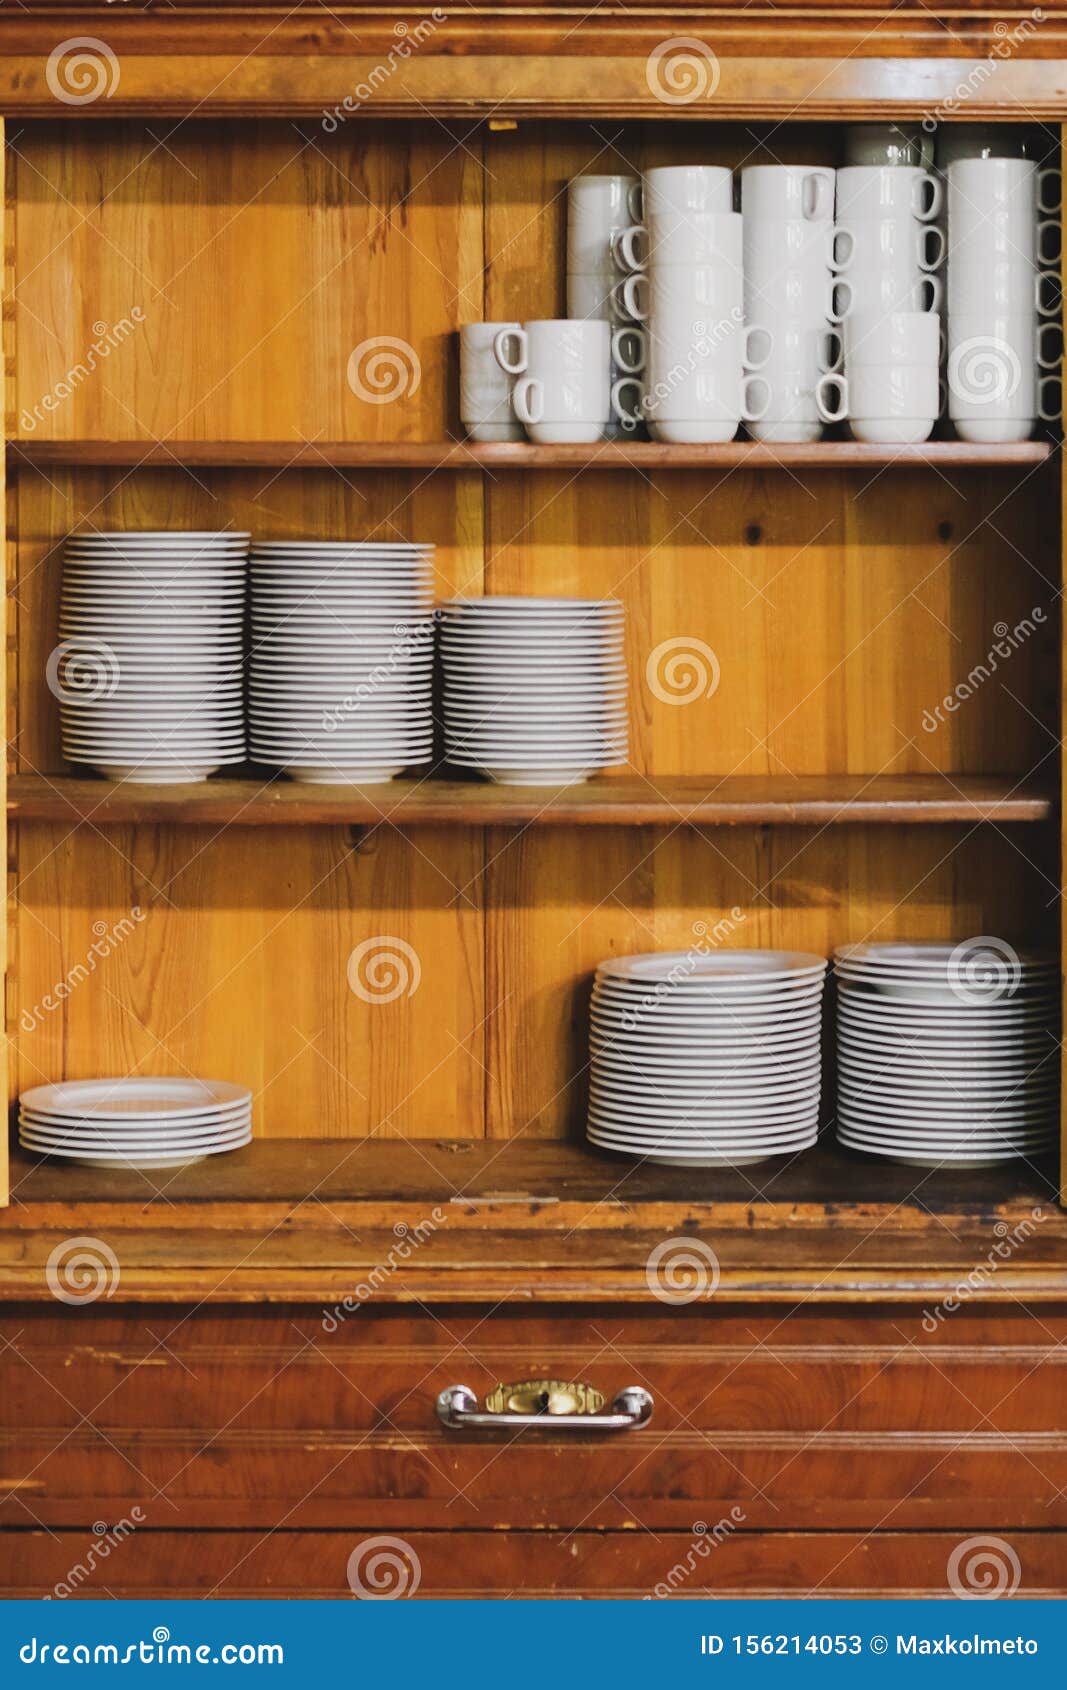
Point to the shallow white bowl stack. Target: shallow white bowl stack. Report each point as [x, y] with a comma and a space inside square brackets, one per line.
[535, 688]
[947, 1054]
[341, 666]
[706, 1059]
[137, 1123]
[149, 668]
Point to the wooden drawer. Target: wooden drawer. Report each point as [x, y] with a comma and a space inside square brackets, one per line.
[178, 1564]
[820, 1418]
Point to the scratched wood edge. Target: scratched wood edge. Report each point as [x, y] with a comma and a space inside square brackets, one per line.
[523, 85]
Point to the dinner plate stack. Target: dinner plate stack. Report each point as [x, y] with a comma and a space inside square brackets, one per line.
[947, 1054]
[535, 688]
[342, 658]
[137, 1123]
[706, 1060]
[148, 671]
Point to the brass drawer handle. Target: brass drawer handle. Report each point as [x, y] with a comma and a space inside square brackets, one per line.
[548, 1404]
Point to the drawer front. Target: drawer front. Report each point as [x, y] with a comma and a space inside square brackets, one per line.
[671, 1565]
[855, 1420]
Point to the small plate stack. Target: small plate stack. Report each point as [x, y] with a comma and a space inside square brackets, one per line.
[947, 1054]
[535, 688]
[342, 659]
[135, 1123]
[148, 671]
[706, 1059]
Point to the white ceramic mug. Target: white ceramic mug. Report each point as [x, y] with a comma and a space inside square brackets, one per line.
[872, 338]
[892, 405]
[788, 190]
[682, 293]
[563, 394]
[685, 188]
[485, 389]
[674, 238]
[1002, 193]
[596, 207]
[725, 404]
[996, 389]
[596, 295]
[776, 243]
[873, 192]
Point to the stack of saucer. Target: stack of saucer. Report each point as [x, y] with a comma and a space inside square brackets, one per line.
[137, 1123]
[342, 658]
[148, 671]
[535, 688]
[947, 1054]
[706, 1058]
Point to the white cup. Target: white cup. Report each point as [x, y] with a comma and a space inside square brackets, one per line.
[884, 287]
[771, 243]
[485, 406]
[866, 193]
[788, 190]
[683, 294]
[891, 405]
[893, 144]
[994, 379]
[891, 242]
[672, 238]
[685, 188]
[596, 295]
[596, 207]
[725, 406]
[1005, 194]
[698, 373]
[563, 394]
[874, 338]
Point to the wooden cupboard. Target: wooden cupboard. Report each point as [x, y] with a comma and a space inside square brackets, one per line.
[233, 240]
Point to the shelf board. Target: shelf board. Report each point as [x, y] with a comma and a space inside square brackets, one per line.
[706, 800]
[460, 455]
[306, 1219]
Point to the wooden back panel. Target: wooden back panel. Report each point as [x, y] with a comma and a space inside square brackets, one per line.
[841, 609]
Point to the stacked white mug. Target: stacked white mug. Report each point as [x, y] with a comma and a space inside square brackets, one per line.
[485, 389]
[565, 395]
[788, 213]
[700, 381]
[598, 208]
[886, 243]
[890, 391]
[1004, 239]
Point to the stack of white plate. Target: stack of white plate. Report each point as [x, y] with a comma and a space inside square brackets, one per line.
[138, 1123]
[535, 688]
[342, 658]
[706, 1060]
[947, 1054]
[148, 671]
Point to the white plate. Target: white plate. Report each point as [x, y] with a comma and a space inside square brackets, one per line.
[148, 1098]
[724, 967]
[185, 1126]
[936, 954]
[103, 1144]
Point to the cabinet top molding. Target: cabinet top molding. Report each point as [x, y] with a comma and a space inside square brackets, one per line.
[684, 61]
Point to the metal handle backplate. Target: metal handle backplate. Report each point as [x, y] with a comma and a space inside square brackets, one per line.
[505, 1411]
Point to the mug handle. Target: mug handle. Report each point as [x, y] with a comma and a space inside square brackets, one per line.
[817, 200]
[630, 297]
[927, 183]
[1049, 410]
[931, 246]
[751, 409]
[841, 231]
[636, 338]
[635, 200]
[528, 399]
[1048, 252]
[836, 313]
[832, 382]
[931, 289]
[628, 416]
[748, 357]
[1055, 203]
[1048, 293]
[829, 351]
[1048, 345]
[500, 345]
[622, 247]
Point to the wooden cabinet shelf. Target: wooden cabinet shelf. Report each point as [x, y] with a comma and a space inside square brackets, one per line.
[705, 800]
[305, 1219]
[461, 455]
